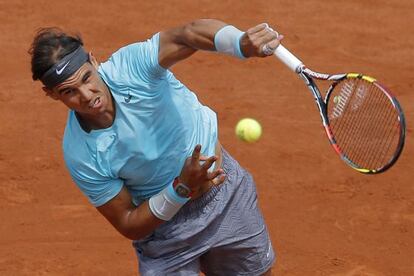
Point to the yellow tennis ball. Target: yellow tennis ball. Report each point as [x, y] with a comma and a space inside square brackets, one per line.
[248, 130]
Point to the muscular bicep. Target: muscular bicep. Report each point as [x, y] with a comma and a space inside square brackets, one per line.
[131, 221]
[179, 43]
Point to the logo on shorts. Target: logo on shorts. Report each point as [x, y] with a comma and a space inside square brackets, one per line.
[61, 69]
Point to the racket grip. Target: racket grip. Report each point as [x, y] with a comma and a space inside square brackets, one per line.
[288, 58]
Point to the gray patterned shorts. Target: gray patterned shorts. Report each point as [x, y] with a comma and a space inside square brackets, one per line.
[220, 233]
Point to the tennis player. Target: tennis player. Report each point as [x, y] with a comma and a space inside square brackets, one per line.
[145, 151]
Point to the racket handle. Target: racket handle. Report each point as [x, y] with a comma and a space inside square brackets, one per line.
[288, 58]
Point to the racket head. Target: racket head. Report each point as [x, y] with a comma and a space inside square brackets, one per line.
[365, 123]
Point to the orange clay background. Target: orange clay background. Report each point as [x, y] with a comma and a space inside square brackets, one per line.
[324, 217]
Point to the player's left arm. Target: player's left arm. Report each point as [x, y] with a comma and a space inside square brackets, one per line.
[179, 43]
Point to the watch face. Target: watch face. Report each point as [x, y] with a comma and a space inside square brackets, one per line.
[182, 191]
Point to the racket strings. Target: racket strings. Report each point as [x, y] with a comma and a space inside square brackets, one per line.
[376, 137]
[349, 128]
[364, 133]
[380, 154]
[385, 148]
[349, 125]
[366, 152]
[375, 156]
[364, 123]
[373, 137]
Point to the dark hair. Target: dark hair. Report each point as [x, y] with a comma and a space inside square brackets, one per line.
[49, 46]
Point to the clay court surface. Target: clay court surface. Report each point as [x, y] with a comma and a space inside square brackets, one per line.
[324, 218]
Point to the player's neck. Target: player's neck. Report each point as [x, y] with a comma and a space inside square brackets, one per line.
[94, 123]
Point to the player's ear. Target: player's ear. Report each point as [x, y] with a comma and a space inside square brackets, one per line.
[93, 60]
[50, 93]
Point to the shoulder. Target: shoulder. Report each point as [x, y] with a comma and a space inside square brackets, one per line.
[136, 61]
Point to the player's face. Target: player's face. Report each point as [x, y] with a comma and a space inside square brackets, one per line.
[84, 92]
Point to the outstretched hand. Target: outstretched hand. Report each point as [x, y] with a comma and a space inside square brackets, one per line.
[260, 41]
[196, 175]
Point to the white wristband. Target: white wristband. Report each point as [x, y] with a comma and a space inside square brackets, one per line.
[227, 41]
[167, 203]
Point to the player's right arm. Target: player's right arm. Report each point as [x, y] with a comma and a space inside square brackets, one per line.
[136, 222]
[179, 43]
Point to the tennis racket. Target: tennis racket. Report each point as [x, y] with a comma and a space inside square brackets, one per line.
[363, 121]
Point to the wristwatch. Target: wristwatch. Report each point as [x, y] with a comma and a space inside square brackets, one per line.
[181, 189]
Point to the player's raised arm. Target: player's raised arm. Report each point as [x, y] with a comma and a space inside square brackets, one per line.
[213, 35]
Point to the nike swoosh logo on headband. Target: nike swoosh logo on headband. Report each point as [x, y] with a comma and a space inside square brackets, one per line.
[61, 69]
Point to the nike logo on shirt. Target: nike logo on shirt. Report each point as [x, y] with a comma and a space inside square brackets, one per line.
[128, 99]
[61, 69]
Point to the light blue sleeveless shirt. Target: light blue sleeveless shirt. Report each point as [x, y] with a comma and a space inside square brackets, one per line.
[158, 123]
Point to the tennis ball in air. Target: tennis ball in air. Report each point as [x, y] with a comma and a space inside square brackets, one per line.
[248, 130]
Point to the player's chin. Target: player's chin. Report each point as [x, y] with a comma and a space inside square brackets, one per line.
[96, 111]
